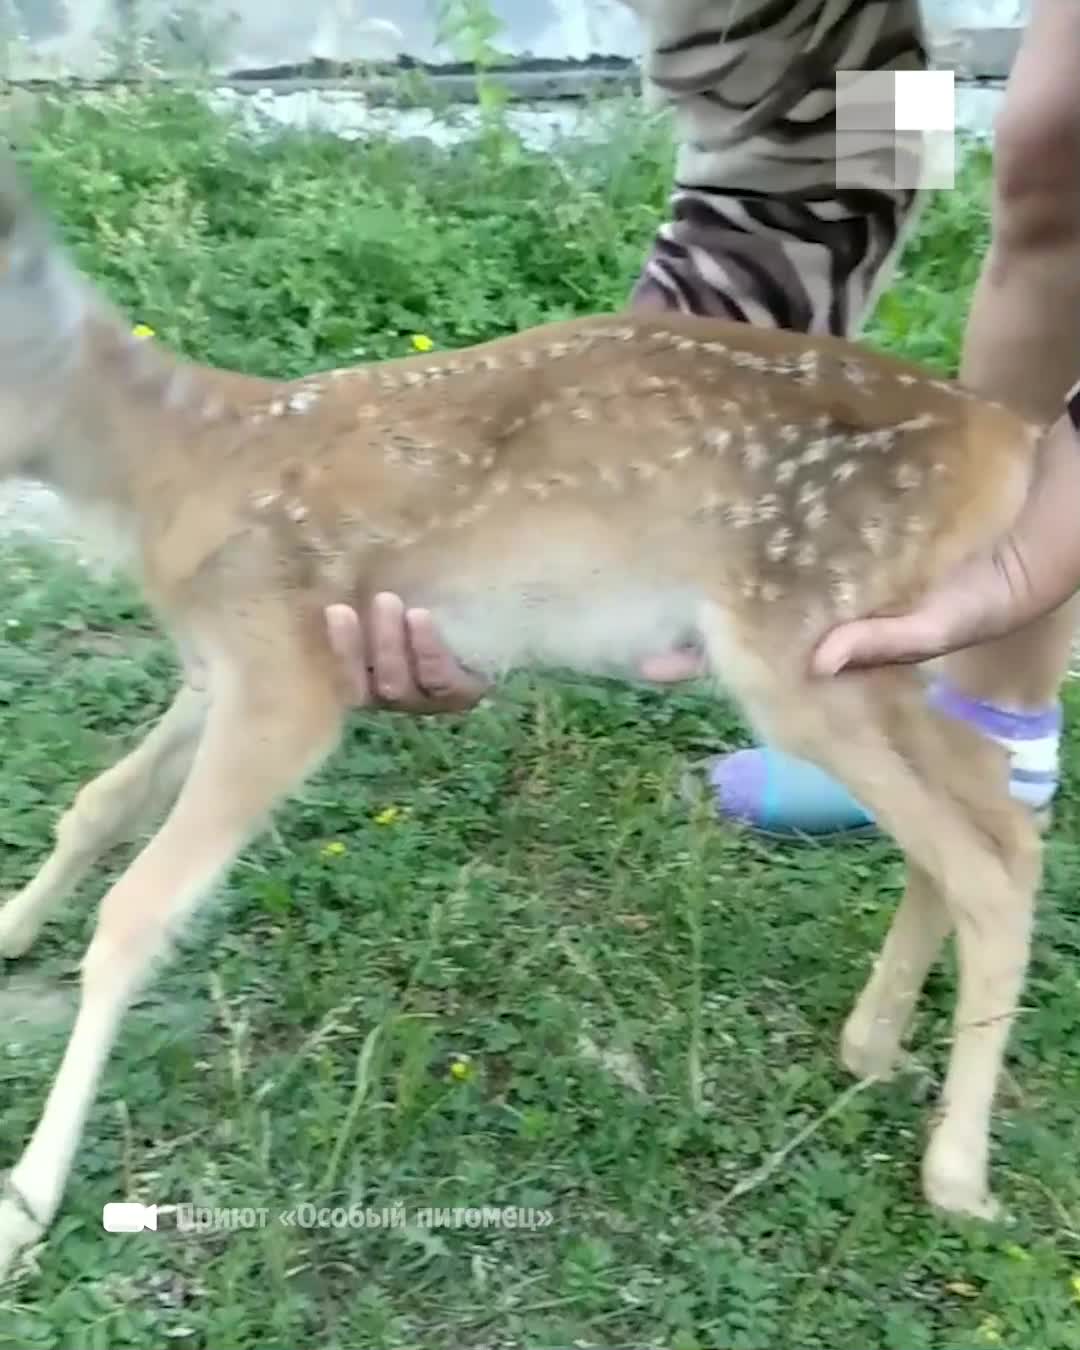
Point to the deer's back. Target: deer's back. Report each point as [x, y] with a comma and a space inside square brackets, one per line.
[810, 474]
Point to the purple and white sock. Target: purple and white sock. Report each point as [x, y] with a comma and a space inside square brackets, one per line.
[1032, 740]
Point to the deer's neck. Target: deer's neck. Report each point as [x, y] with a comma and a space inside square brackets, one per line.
[110, 411]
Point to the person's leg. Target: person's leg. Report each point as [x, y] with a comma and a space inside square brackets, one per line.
[761, 232]
[1023, 344]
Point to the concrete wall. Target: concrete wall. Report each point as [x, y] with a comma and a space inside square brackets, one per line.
[87, 37]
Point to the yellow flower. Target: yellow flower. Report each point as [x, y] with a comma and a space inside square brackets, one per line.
[142, 330]
[989, 1330]
[388, 815]
[422, 342]
[461, 1069]
[1074, 1284]
[334, 849]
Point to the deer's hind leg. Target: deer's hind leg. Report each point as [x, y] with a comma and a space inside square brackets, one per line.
[873, 1034]
[948, 757]
[110, 809]
[941, 791]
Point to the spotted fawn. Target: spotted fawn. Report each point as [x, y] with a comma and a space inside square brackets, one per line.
[579, 496]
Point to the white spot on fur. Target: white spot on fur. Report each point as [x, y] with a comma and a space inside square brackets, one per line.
[471, 514]
[767, 507]
[843, 592]
[305, 399]
[882, 439]
[855, 373]
[816, 452]
[872, 531]
[777, 546]
[806, 554]
[816, 516]
[785, 471]
[718, 439]
[809, 366]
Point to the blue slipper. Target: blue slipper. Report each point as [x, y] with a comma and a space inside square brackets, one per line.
[777, 795]
[786, 798]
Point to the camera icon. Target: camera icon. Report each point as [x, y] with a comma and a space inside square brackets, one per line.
[128, 1216]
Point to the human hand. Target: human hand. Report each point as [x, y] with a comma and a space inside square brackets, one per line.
[401, 664]
[1029, 572]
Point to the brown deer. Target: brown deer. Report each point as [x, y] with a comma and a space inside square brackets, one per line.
[578, 496]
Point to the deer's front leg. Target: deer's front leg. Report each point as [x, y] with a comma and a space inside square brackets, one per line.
[265, 732]
[109, 810]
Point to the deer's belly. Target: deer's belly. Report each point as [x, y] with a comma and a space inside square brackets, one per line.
[604, 630]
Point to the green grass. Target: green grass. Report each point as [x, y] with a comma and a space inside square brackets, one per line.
[537, 889]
